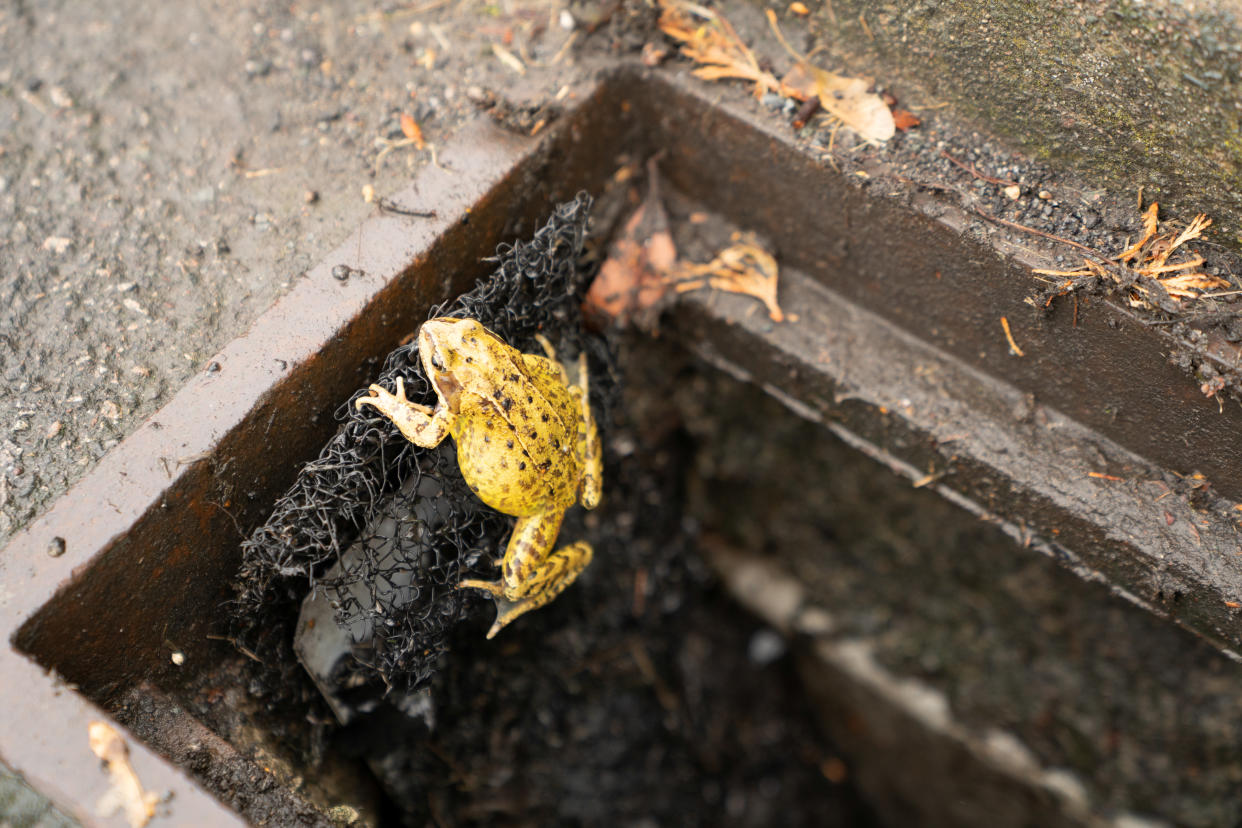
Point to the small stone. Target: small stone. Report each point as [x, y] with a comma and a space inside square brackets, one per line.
[213, 367]
[258, 68]
[368, 193]
[178, 657]
[311, 196]
[110, 410]
[53, 430]
[60, 97]
[814, 621]
[341, 272]
[56, 548]
[1044, 195]
[765, 646]
[57, 244]
[1013, 192]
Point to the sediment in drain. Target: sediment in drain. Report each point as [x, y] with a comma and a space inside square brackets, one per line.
[404, 592]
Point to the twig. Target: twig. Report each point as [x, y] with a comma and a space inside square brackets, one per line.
[970, 168]
[390, 15]
[1013, 346]
[1033, 231]
[387, 205]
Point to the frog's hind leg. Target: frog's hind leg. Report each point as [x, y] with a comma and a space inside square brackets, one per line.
[547, 581]
[528, 580]
[551, 354]
[590, 452]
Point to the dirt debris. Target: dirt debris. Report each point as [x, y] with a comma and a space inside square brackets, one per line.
[1142, 272]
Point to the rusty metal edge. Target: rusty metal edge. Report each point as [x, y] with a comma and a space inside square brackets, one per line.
[176, 459]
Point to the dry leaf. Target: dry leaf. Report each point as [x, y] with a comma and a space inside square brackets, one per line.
[743, 267]
[642, 266]
[1152, 280]
[713, 43]
[1150, 222]
[126, 791]
[410, 129]
[635, 276]
[842, 97]
[904, 119]
[708, 39]
[845, 98]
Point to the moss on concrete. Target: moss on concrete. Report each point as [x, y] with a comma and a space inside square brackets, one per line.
[1130, 95]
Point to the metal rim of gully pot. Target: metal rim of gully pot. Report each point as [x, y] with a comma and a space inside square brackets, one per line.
[135, 560]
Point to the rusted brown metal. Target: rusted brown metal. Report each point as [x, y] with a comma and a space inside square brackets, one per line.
[135, 561]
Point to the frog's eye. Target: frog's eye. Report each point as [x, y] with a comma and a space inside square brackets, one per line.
[436, 362]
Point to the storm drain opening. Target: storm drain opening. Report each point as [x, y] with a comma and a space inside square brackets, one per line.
[740, 442]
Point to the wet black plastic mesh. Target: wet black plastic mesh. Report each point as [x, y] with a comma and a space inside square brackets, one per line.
[404, 590]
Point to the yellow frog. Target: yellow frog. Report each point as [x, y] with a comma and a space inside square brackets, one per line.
[527, 445]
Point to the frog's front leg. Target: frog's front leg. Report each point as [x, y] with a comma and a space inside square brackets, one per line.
[421, 425]
[528, 578]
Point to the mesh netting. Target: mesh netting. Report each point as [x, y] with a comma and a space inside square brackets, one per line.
[396, 591]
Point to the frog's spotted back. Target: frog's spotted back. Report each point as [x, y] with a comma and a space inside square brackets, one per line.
[536, 288]
[517, 423]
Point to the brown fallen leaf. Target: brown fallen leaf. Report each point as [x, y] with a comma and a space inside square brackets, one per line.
[1144, 269]
[743, 267]
[1150, 223]
[635, 276]
[126, 791]
[904, 119]
[842, 97]
[642, 266]
[708, 38]
[845, 98]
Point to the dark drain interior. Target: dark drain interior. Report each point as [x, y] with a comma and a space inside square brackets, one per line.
[573, 712]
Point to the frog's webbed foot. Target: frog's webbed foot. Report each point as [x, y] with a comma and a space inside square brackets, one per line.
[528, 579]
[421, 425]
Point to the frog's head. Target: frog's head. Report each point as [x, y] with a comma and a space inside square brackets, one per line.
[458, 354]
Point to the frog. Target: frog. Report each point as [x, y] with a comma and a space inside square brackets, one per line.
[527, 446]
